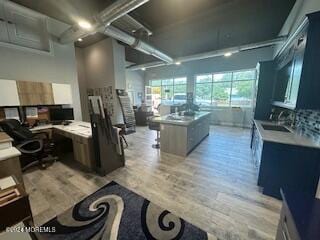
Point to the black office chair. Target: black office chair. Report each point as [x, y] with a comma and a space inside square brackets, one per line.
[36, 150]
[156, 127]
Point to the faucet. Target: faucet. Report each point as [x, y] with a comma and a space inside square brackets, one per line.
[289, 119]
[271, 116]
[279, 117]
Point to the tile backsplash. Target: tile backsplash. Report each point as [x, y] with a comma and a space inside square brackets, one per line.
[308, 121]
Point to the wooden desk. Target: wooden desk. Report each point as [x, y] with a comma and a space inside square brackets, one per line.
[81, 135]
[9, 159]
[17, 211]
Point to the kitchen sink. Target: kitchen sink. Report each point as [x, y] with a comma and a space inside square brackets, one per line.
[171, 117]
[275, 128]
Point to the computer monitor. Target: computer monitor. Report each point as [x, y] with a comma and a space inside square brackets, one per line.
[61, 114]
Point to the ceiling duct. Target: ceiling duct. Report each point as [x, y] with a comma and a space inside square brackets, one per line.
[129, 24]
[106, 17]
[119, 9]
[114, 12]
[211, 54]
[137, 43]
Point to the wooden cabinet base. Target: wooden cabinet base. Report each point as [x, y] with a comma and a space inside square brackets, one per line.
[83, 153]
[82, 148]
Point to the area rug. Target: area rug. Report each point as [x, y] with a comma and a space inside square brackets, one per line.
[114, 212]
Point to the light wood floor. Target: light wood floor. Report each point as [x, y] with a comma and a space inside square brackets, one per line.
[214, 188]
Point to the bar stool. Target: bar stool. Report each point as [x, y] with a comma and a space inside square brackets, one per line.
[156, 127]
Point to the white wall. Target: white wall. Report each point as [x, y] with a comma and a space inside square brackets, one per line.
[119, 59]
[82, 84]
[297, 15]
[242, 60]
[135, 85]
[17, 64]
[98, 63]
[101, 65]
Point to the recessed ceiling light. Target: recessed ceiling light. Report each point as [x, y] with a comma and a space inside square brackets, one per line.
[85, 25]
[80, 40]
[228, 54]
[143, 69]
[178, 63]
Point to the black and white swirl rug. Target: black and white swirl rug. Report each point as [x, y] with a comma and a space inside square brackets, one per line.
[114, 212]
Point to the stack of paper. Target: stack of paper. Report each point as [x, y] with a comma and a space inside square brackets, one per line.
[7, 182]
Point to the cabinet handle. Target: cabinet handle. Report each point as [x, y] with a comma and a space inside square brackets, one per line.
[285, 232]
[10, 22]
[300, 40]
[1, 20]
[284, 235]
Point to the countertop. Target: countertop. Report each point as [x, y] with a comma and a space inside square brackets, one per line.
[9, 153]
[174, 119]
[79, 128]
[292, 138]
[82, 129]
[5, 138]
[6, 149]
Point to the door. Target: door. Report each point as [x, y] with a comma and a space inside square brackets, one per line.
[132, 97]
[148, 94]
[26, 28]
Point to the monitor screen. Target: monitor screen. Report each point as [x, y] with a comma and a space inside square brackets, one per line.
[60, 114]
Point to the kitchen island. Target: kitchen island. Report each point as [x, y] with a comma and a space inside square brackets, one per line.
[179, 135]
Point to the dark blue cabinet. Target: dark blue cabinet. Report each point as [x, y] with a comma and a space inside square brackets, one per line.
[297, 82]
[300, 216]
[285, 166]
[264, 89]
[288, 166]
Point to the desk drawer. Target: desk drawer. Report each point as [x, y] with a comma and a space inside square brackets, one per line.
[15, 212]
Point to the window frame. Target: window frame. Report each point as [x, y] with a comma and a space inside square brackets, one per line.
[173, 85]
[232, 81]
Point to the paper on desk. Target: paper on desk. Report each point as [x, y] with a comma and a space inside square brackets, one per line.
[12, 113]
[80, 130]
[7, 182]
[32, 112]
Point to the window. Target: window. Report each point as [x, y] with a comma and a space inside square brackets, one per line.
[173, 90]
[226, 89]
[180, 90]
